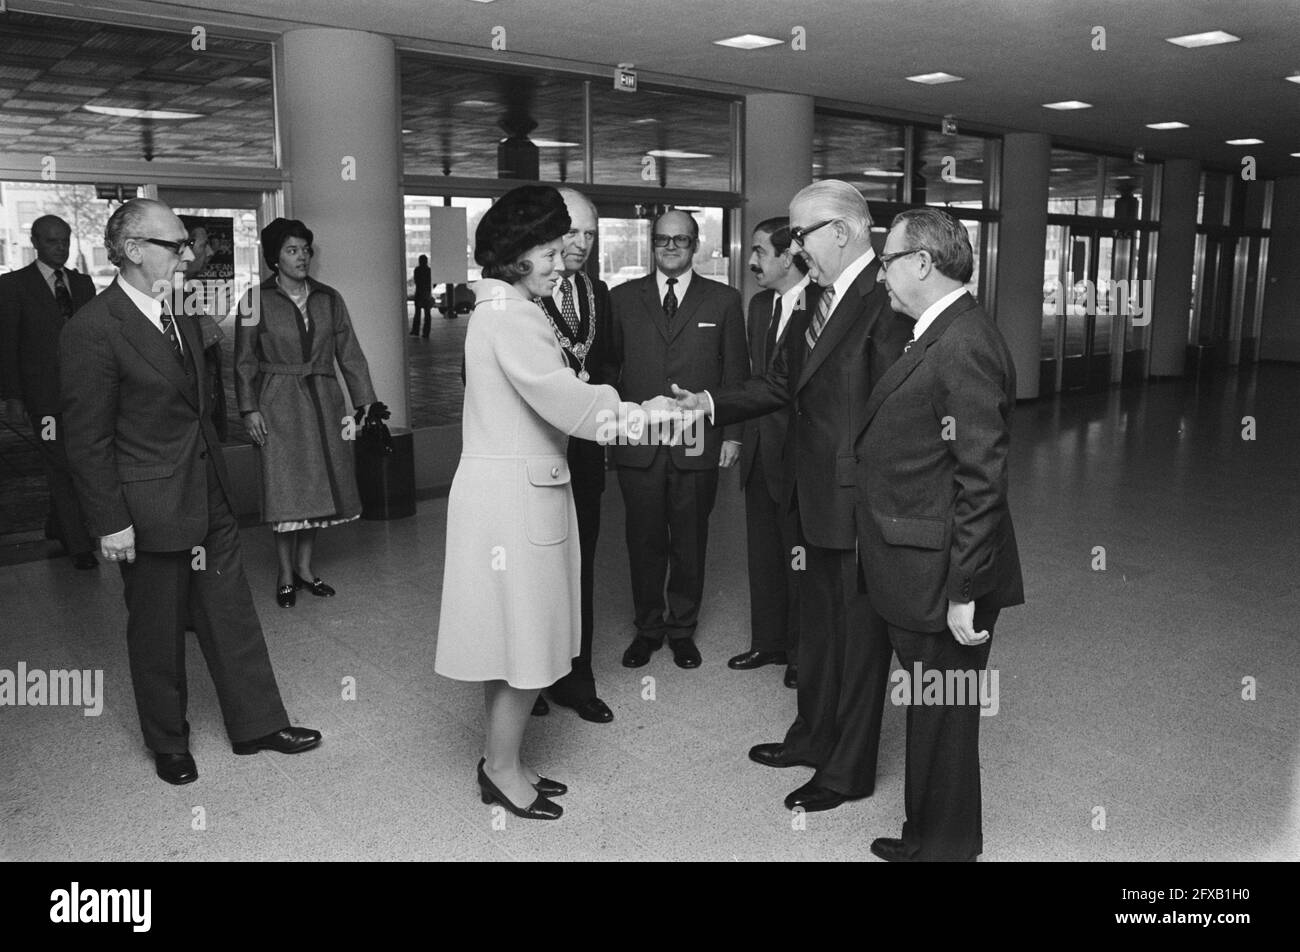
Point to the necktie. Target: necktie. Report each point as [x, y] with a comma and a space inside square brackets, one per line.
[670, 300]
[820, 317]
[567, 309]
[169, 331]
[770, 351]
[61, 295]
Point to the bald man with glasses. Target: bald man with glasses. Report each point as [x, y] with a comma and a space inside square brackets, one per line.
[673, 326]
[147, 465]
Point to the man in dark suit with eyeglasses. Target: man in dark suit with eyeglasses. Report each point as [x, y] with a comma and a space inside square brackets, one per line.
[673, 326]
[148, 467]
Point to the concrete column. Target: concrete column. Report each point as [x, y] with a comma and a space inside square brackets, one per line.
[1279, 333]
[340, 122]
[1022, 244]
[1175, 260]
[778, 161]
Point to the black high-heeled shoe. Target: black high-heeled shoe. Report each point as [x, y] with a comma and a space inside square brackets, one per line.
[539, 809]
[285, 596]
[315, 586]
[547, 788]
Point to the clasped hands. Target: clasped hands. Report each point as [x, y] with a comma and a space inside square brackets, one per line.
[680, 412]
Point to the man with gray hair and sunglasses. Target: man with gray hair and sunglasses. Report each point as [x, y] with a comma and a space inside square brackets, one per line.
[147, 464]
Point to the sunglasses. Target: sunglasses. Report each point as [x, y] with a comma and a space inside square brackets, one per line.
[681, 241]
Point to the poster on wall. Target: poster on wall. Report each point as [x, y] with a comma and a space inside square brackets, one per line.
[214, 247]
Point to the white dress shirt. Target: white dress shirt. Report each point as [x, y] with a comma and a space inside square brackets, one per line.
[683, 282]
[789, 303]
[934, 310]
[48, 274]
[150, 307]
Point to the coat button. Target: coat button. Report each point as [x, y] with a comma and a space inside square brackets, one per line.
[555, 471]
[203, 455]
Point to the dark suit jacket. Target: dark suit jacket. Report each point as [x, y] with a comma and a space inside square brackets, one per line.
[703, 349]
[764, 436]
[30, 324]
[138, 432]
[828, 389]
[586, 457]
[933, 521]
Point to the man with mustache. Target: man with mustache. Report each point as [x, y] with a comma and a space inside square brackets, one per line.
[769, 526]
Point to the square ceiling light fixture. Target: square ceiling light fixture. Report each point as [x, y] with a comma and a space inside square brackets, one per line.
[935, 79]
[1066, 104]
[1193, 41]
[748, 41]
[1163, 126]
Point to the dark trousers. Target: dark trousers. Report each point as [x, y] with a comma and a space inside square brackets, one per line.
[667, 536]
[843, 672]
[942, 787]
[69, 523]
[427, 310]
[580, 683]
[773, 584]
[163, 591]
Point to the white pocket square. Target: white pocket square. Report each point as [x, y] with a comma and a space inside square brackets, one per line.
[706, 325]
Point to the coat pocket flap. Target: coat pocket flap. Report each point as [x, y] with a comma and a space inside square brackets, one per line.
[919, 533]
[548, 472]
[131, 474]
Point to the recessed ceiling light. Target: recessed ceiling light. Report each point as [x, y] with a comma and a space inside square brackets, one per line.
[881, 173]
[1244, 141]
[748, 41]
[893, 148]
[935, 79]
[1194, 40]
[1295, 155]
[642, 122]
[958, 180]
[407, 132]
[677, 154]
[1067, 104]
[555, 144]
[143, 113]
[1167, 125]
[1062, 169]
[1293, 79]
[475, 102]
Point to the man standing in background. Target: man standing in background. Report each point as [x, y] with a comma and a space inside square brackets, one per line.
[35, 303]
[673, 326]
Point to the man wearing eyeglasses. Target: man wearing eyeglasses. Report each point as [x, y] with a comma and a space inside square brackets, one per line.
[938, 551]
[35, 303]
[147, 464]
[825, 371]
[673, 326]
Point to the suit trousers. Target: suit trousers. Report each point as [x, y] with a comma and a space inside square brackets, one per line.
[69, 523]
[667, 536]
[773, 590]
[163, 591]
[942, 787]
[580, 683]
[843, 672]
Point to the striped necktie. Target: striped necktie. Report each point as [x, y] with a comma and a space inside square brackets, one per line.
[169, 331]
[820, 317]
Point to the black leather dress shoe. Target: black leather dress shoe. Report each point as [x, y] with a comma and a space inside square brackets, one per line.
[791, 676]
[539, 809]
[288, 740]
[774, 755]
[639, 652]
[813, 798]
[285, 596]
[315, 586]
[176, 768]
[589, 709]
[85, 560]
[891, 850]
[755, 659]
[684, 652]
[540, 707]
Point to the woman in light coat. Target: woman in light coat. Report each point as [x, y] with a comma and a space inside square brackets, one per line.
[510, 609]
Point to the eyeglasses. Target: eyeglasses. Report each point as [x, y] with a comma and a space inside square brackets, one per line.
[799, 234]
[886, 260]
[681, 241]
[175, 247]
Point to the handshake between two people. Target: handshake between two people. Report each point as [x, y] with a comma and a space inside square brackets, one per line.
[660, 421]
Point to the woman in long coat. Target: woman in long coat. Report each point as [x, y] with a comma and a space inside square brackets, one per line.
[292, 405]
[510, 592]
